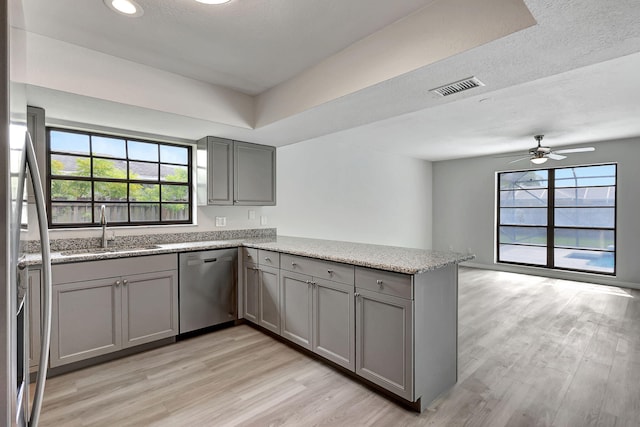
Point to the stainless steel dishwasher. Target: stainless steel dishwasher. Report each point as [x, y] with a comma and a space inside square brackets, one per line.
[207, 288]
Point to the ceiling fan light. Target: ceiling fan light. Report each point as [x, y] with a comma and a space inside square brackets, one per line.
[539, 160]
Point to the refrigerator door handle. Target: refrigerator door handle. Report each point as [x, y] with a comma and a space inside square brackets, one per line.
[45, 340]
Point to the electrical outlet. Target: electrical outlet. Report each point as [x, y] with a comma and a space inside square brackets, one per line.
[252, 214]
[221, 221]
[263, 220]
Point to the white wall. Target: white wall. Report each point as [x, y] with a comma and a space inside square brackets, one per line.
[464, 204]
[329, 191]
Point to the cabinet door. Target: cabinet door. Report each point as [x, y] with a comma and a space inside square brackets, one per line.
[254, 174]
[251, 293]
[296, 318]
[149, 307]
[220, 171]
[384, 344]
[333, 322]
[269, 310]
[34, 318]
[86, 320]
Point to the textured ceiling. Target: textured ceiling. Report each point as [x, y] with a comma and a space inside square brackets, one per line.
[572, 76]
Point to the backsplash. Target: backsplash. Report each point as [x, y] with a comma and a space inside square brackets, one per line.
[58, 245]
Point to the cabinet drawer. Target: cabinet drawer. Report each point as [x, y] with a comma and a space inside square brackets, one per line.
[268, 258]
[250, 256]
[385, 282]
[318, 268]
[90, 270]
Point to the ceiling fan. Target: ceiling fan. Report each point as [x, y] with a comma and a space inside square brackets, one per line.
[541, 154]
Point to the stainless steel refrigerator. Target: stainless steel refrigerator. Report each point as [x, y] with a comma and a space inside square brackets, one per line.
[17, 161]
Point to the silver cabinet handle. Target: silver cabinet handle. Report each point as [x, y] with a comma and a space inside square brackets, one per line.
[267, 259]
[330, 271]
[125, 282]
[357, 294]
[293, 264]
[314, 283]
[379, 282]
[117, 282]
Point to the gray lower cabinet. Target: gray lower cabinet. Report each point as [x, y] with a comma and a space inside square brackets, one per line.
[333, 322]
[251, 292]
[384, 341]
[317, 314]
[35, 286]
[261, 296]
[235, 173]
[269, 299]
[296, 308]
[94, 316]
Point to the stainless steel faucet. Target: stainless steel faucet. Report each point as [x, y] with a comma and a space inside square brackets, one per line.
[103, 222]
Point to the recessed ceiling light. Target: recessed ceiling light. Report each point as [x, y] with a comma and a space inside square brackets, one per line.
[213, 1]
[125, 7]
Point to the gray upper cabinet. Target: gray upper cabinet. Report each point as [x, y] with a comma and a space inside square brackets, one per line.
[254, 174]
[235, 173]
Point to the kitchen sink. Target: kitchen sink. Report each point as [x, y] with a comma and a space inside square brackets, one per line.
[89, 251]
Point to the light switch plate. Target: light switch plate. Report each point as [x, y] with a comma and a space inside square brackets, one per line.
[252, 214]
[221, 221]
[263, 220]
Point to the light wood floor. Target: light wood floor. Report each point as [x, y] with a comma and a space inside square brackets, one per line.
[532, 352]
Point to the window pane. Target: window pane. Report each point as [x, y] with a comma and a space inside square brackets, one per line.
[173, 173]
[143, 171]
[64, 189]
[175, 193]
[110, 191]
[175, 212]
[69, 142]
[602, 262]
[523, 216]
[536, 255]
[587, 196]
[105, 168]
[114, 212]
[69, 165]
[523, 198]
[604, 175]
[108, 147]
[143, 151]
[585, 217]
[585, 239]
[145, 212]
[70, 213]
[145, 192]
[173, 154]
[524, 235]
[524, 179]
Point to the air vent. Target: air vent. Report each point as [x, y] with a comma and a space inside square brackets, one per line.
[458, 86]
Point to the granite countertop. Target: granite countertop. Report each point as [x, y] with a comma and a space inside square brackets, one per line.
[390, 258]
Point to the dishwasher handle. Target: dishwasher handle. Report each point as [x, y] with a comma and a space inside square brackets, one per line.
[192, 262]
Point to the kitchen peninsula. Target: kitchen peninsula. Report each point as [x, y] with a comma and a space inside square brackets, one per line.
[387, 315]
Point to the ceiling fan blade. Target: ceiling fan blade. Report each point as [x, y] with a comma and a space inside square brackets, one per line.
[556, 156]
[520, 159]
[575, 150]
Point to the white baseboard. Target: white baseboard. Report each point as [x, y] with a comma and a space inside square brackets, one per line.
[555, 274]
